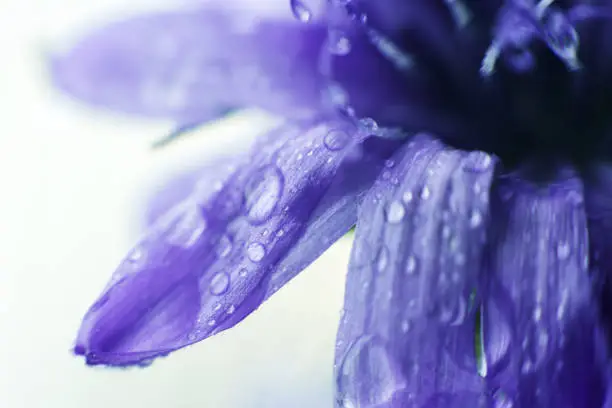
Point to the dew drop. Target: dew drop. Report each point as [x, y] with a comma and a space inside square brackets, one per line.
[243, 273]
[262, 193]
[338, 43]
[336, 139]
[475, 219]
[425, 193]
[395, 212]
[411, 265]
[219, 284]
[231, 309]
[405, 326]
[300, 11]
[368, 124]
[407, 196]
[382, 259]
[367, 375]
[256, 251]
[563, 251]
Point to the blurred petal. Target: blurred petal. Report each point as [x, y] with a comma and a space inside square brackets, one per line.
[192, 64]
[542, 340]
[407, 335]
[212, 260]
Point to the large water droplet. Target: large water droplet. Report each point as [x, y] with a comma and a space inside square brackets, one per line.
[219, 284]
[300, 11]
[367, 375]
[262, 193]
[395, 212]
[256, 251]
[336, 139]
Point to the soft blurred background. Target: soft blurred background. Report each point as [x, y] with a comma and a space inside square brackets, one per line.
[75, 184]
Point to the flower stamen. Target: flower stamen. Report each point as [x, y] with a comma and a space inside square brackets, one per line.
[519, 24]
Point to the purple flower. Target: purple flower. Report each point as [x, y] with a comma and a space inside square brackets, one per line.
[468, 140]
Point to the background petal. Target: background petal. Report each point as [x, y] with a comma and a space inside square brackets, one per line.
[542, 341]
[214, 258]
[192, 64]
[407, 335]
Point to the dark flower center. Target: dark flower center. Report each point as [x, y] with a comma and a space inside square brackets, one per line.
[529, 81]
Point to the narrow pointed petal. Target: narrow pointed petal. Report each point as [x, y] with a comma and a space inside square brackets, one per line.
[406, 338]
[214, 258]
[542, 340]
[187, 64]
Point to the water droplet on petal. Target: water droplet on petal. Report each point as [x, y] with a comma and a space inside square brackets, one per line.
[405, 326]
[425, 193]
[219, 284]
[367, 375]
[262, 193]
[407, 196]
[563, 251]
[338, 43]
[300, 11]
[336, 139]
[411, 265]
[395, 212]
[382, 259]
[475, 219]
[369, 125]
[256, 251]
[231, 309]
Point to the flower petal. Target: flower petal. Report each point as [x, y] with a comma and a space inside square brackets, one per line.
[214, 258]
[407, 335]
[546, 349]
[192, 64]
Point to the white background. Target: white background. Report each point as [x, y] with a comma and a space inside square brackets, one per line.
[73, 184]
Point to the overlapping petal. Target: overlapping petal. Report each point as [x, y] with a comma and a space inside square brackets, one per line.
[191, 64]
[541, 335]
[406, 338]
[214, 258]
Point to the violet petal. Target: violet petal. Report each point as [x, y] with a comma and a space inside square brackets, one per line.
[407, 333]
[546, 347]
[214, 258]
[192, 64]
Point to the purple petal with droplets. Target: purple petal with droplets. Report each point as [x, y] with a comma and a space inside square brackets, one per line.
[215, 257]
[407, 334]
[545, 347]
[191, 63]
